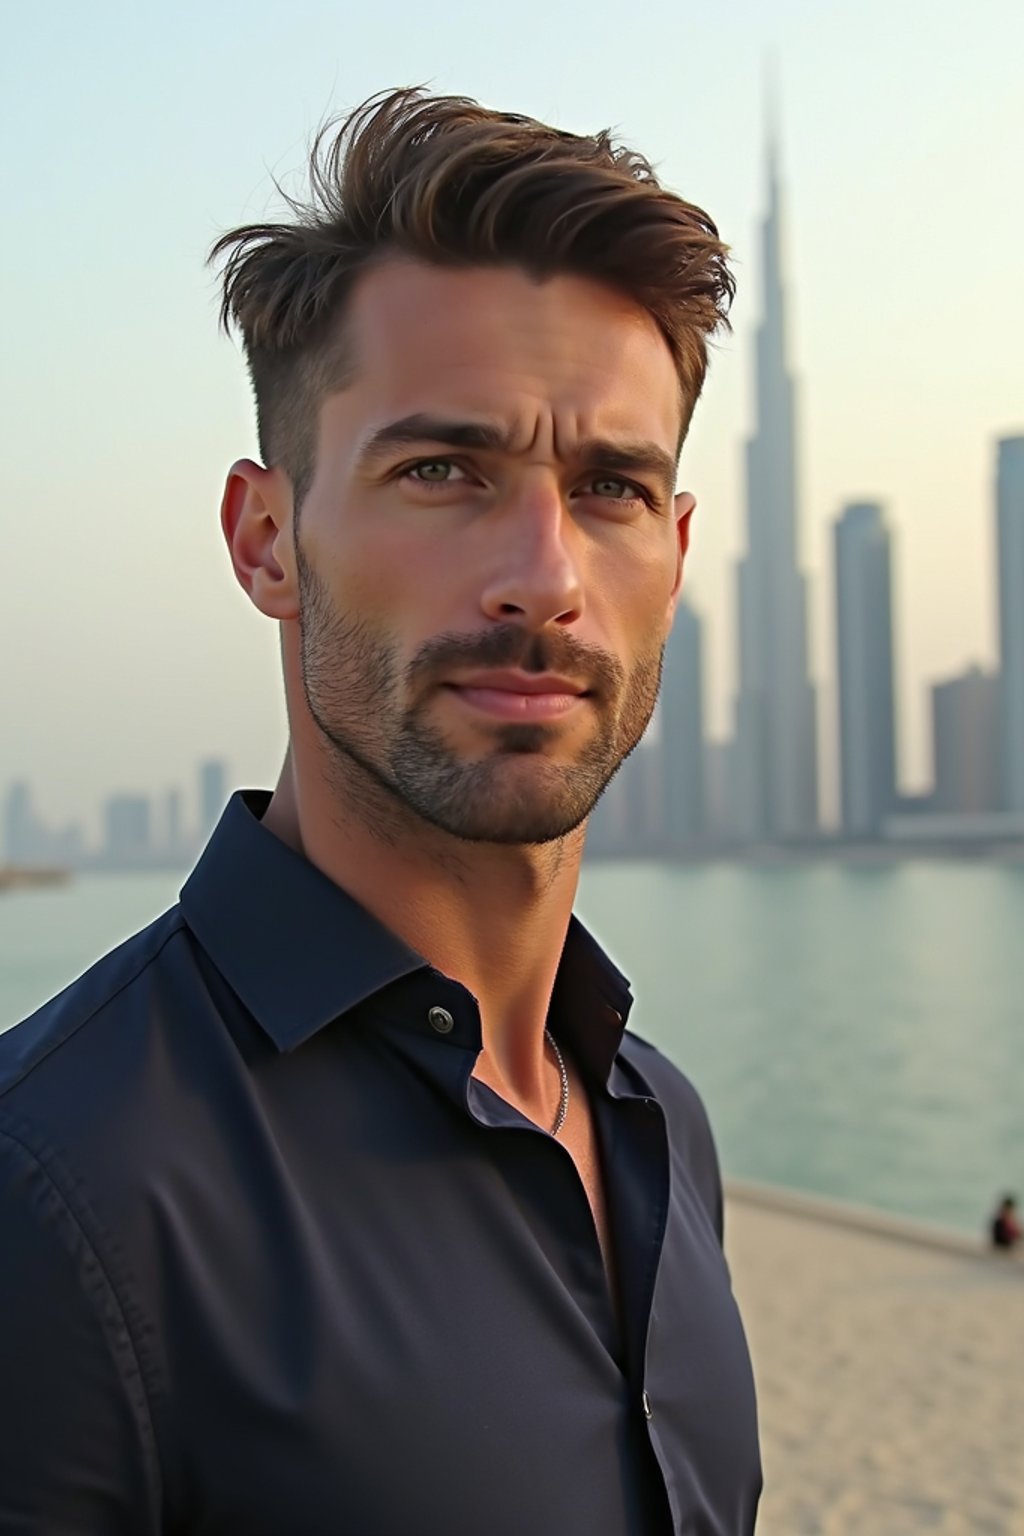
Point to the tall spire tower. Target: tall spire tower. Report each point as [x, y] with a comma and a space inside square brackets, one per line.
[776, 751]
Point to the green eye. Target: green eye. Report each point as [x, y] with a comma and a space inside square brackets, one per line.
[615, 490]
[433, 470]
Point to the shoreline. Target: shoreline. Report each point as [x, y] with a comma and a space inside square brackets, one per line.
[16, 878]
[869, 1220]
[860, 855]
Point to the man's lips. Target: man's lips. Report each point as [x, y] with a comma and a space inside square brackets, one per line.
[524, 696]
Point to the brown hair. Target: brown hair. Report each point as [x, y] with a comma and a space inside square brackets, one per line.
[447, 181]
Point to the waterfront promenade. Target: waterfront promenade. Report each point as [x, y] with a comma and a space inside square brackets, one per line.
[890, 1367]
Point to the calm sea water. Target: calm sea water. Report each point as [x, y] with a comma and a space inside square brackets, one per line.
[855, 1031]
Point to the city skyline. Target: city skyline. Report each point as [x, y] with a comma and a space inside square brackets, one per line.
[135, 651]
[759, 786]
[681, 793]
[138, 829]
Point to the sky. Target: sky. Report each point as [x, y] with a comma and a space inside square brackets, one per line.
[135, 133]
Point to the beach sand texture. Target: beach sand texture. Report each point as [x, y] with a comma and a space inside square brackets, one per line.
[890, 1377]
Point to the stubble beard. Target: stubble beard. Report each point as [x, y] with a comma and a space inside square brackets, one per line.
[389, 760]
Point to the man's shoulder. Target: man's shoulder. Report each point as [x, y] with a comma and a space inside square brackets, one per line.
[674, 1091]
[101, 1008]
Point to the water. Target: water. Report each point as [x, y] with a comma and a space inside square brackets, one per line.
[854, 1031]
[50, 934]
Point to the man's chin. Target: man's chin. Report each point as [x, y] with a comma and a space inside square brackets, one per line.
[512, 815]
[514, 832]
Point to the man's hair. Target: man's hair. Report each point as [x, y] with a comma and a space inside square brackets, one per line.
[446, 181]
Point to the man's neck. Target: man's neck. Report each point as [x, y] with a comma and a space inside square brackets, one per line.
[492, 917]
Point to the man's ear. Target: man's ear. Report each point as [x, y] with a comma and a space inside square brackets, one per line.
[685, 505]
[256, 516]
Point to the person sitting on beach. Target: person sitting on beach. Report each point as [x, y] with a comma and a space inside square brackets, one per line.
[1006, 1231]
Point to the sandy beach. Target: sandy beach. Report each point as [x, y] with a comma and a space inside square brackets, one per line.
[890, 1372]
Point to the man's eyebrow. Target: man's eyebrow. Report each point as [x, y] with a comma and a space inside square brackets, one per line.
[421, 428]
[634, 458]
[639, 458]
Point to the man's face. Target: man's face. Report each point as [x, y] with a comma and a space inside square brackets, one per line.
[490, 549]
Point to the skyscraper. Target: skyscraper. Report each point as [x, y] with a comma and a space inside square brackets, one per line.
[127, 831]
[965, 726]
[213, 795]
[1010, 558]
[682, 732]
[776, 749]
[627, 821]
[867, 749]
[174, 839]
[642, 775]
[25, 840]
[720, 818]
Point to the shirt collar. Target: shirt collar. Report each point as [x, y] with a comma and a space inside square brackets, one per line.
[590, 1003]
[296, 948]
[299, 951]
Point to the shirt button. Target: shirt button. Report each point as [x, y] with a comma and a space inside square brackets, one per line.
[648, 1411]
[441, 1020]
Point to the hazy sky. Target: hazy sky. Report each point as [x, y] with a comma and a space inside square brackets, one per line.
[134, 133]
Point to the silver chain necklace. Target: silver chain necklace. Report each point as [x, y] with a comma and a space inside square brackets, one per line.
[563, 1100]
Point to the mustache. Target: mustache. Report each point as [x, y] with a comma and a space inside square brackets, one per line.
[507, 645]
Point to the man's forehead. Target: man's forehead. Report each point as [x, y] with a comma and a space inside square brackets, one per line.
[562, 354]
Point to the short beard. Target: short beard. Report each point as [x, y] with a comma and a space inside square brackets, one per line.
[352, 685]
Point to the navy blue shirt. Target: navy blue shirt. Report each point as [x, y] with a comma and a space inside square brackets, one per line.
[273, 1263]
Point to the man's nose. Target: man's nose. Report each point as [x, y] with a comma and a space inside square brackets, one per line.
[534, 575]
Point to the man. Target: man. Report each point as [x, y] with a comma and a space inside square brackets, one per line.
[338, 1200]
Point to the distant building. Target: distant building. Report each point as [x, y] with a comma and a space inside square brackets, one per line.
[864, 657]
[174, 831]
[28, 843]
[213, 795]
[776, 737]
[67, 846]
[1010, 564]
[720, 814]
[654, 806]
[681, 747]
[24, 837]
[644, 776]
[618, 825]
[966, 736]
[127, 831]
[627, 821]
[608, 828]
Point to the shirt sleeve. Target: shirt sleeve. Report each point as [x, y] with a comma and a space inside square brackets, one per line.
[77, 1455]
